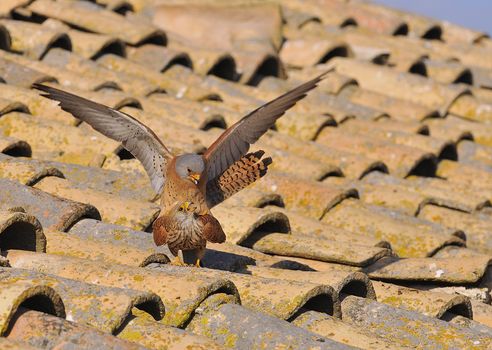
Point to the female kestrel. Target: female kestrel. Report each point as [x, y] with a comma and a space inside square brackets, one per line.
[189, 184]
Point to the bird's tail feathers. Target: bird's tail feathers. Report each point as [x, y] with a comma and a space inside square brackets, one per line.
[248, 169]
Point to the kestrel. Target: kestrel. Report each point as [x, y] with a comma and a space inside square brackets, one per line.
[189, 184]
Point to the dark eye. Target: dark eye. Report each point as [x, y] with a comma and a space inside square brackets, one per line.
[189, 170]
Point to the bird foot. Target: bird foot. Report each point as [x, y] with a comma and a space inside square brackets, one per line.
[178, 262]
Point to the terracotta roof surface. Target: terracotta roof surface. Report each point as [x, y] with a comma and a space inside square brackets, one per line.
[372, 228]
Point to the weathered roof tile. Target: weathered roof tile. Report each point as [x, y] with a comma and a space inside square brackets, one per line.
[425, 302]
[41, 329]
[110, 308]
[95, 19]
[382, 172]
[392, 324]
[470, 269]
[17, 294]
[408, 236]
[53, 212]
[34, 40]
[180, 294]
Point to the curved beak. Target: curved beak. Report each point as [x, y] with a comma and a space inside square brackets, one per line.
[194, 177]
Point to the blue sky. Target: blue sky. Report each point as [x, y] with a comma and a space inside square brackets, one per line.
[475, 14]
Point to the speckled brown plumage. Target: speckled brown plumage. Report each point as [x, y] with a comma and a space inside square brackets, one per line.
[239, 175]
[188, 194]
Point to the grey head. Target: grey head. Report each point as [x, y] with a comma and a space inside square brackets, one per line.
[190, 166]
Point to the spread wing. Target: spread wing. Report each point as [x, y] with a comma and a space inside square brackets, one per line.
[235, 141]
[137, 138]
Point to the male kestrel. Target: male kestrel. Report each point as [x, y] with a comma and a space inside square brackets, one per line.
[189, 184]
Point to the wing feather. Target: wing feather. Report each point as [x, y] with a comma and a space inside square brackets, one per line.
[235, 141]
[136, 137]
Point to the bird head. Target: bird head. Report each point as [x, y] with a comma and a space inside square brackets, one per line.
[190, 166]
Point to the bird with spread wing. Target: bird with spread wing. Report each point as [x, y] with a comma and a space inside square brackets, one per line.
[189, 184]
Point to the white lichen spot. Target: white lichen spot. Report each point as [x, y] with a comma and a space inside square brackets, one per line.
[484, 109]
[274, 188]
[476, 342]
[439, 273]
[181, 92]
[93, 138]
[70, 317]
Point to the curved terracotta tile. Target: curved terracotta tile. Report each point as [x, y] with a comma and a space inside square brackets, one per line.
[34, 40]
[408, 236]
[157, 57]
[143, 329]
[308, 227]
[69, 244]
[113, 209]
[208, 61]
[254, 65]
[391, 324]
[343, 332]
[266, 330]
[444, 270]
[52, 140]
[429, 303]
[441, 148]
[347, 283]
[104, 308]
[18, 99]
[310, 198]
[245, 223]
[458, 127]
[397, 108]
[8, 6]
[19, 230]
[469, 107]
[475, 225]
[40, 329]
[9, 344]
[276, 297]
[454, 33]
[401, 85]
[351, 164]
[318, 249]
[12, 146]
[18, 294]
[196, 23]
[311, 51]
[93, 19]
[402, 160]
[180, 294]
[20, 75]
[53, 212]
[27, 173]
[62, 75]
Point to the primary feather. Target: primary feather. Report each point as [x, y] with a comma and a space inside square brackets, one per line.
[235, 141]
[136, 137]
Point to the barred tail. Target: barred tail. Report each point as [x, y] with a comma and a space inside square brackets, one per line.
[242, 173]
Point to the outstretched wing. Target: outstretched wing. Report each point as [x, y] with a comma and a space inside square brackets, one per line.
[235, 141]
[137, 138]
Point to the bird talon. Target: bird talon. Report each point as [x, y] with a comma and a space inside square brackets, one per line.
[197, 263]
[177, 262]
